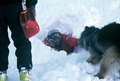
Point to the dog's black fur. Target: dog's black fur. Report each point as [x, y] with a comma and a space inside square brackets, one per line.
[103, 41]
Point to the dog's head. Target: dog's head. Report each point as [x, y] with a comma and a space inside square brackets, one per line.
[83, 40]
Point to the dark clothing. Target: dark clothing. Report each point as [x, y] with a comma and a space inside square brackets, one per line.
[9, 17]
[29, 3]
[68, 43]
[10, 1]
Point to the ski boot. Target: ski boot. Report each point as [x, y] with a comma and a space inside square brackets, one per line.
[25, 75]
[3, 76]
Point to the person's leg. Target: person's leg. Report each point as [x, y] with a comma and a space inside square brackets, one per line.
[23, 45]
[4, 41]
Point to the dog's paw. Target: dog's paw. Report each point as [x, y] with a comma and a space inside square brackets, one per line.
[99, 76]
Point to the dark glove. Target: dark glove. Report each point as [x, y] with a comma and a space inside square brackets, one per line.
[33, 10]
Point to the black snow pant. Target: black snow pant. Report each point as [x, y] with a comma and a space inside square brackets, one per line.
[9, 17]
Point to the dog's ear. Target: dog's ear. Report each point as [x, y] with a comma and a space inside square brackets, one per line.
[86, 27]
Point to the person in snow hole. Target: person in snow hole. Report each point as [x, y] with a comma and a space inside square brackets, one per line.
[60, 41]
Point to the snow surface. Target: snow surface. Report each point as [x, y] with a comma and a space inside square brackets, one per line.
[70, 17]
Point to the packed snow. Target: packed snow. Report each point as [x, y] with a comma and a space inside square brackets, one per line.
[69, 17]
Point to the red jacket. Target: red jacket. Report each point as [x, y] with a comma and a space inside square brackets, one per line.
[68, 43]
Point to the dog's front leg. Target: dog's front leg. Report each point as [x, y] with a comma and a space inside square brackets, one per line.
[103, 68]
[94, 57]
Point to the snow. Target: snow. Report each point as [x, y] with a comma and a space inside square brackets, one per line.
[69, 17]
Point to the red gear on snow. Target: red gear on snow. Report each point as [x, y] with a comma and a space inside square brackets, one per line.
[68, 43]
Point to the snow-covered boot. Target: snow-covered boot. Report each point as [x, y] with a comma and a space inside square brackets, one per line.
[3, 76]
[25, 75]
